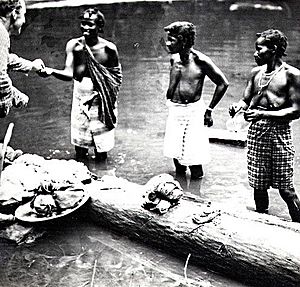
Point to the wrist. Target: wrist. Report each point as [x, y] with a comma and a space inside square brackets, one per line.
[262, 115]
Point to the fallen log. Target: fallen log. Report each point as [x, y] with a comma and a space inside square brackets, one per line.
[260, 250]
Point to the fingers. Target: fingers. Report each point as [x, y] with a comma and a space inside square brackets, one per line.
[251, 115]
[233, 109]
[45, 72]
[38, 64]
[208, 122]
[22, 101]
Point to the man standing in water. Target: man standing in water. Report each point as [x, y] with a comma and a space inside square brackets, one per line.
[271, 101]
[12, 18]
[94, 65]
[186, 138]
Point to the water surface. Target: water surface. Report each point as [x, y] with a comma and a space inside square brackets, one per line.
[136, 28]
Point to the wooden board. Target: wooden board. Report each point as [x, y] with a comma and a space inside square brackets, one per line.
[227, 137]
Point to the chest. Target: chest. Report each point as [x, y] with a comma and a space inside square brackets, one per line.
[98, 52]
[189, 70]
[276, 84]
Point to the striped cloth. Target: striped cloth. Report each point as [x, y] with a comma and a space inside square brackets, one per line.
[107, 82]
[270, 155]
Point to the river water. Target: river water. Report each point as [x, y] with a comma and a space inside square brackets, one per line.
[226, 33]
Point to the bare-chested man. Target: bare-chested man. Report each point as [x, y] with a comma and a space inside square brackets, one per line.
[270, 102]
[94, 65]
[186, 139]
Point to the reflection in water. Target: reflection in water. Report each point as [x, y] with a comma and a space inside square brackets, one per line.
[137, 29]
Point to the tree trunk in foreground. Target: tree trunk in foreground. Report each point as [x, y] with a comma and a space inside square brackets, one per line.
[260, 250]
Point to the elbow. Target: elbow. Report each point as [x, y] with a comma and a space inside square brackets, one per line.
[226, 84]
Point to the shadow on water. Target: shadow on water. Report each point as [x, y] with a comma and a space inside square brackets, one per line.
[224, 34]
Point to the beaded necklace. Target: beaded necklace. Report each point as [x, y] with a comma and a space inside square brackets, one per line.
[271, 75]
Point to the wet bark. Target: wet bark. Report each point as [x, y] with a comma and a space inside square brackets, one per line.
[260, 250]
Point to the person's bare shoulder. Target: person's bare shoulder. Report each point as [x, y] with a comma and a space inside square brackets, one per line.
[111, 50]
[254, 71]
[108, 45]
[200, 58]
[291, 70]
[73, 43]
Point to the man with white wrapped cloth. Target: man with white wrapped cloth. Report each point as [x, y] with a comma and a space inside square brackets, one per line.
[186, 138]
[94, 65]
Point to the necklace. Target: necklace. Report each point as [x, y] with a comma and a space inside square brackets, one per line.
[271, 75]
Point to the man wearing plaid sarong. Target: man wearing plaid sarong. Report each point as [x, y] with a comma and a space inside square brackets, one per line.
[271, 102]
[12, 17]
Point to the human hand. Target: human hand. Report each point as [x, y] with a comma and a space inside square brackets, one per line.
[37, 65]
[208, 121]
[234, 109]
[45, 72]
[23, 101]
[252, 115]
[20, 100]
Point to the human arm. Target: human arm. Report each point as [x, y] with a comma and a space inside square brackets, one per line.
[113, 56]
[16, 63]
[219, 79]
[244, 103]
[9, 95]
[67, 73]
[174, 79]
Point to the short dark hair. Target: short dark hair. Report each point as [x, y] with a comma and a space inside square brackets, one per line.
[186, 29]
[275, 37]
[7, 6]
[98, 17]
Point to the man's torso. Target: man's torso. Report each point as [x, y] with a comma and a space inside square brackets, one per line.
[186, 80]
[100, 52]
[271, 92]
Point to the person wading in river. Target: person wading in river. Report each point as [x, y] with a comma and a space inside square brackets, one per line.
[12, 18]
[271, 102]
[94, 65]
[186, 138]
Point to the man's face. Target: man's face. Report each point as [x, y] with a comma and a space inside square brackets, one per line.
[174, 44]
[20, 17]
[89, 28]
[263, 53]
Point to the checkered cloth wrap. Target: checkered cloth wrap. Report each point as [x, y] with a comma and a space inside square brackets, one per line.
[270, 155]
